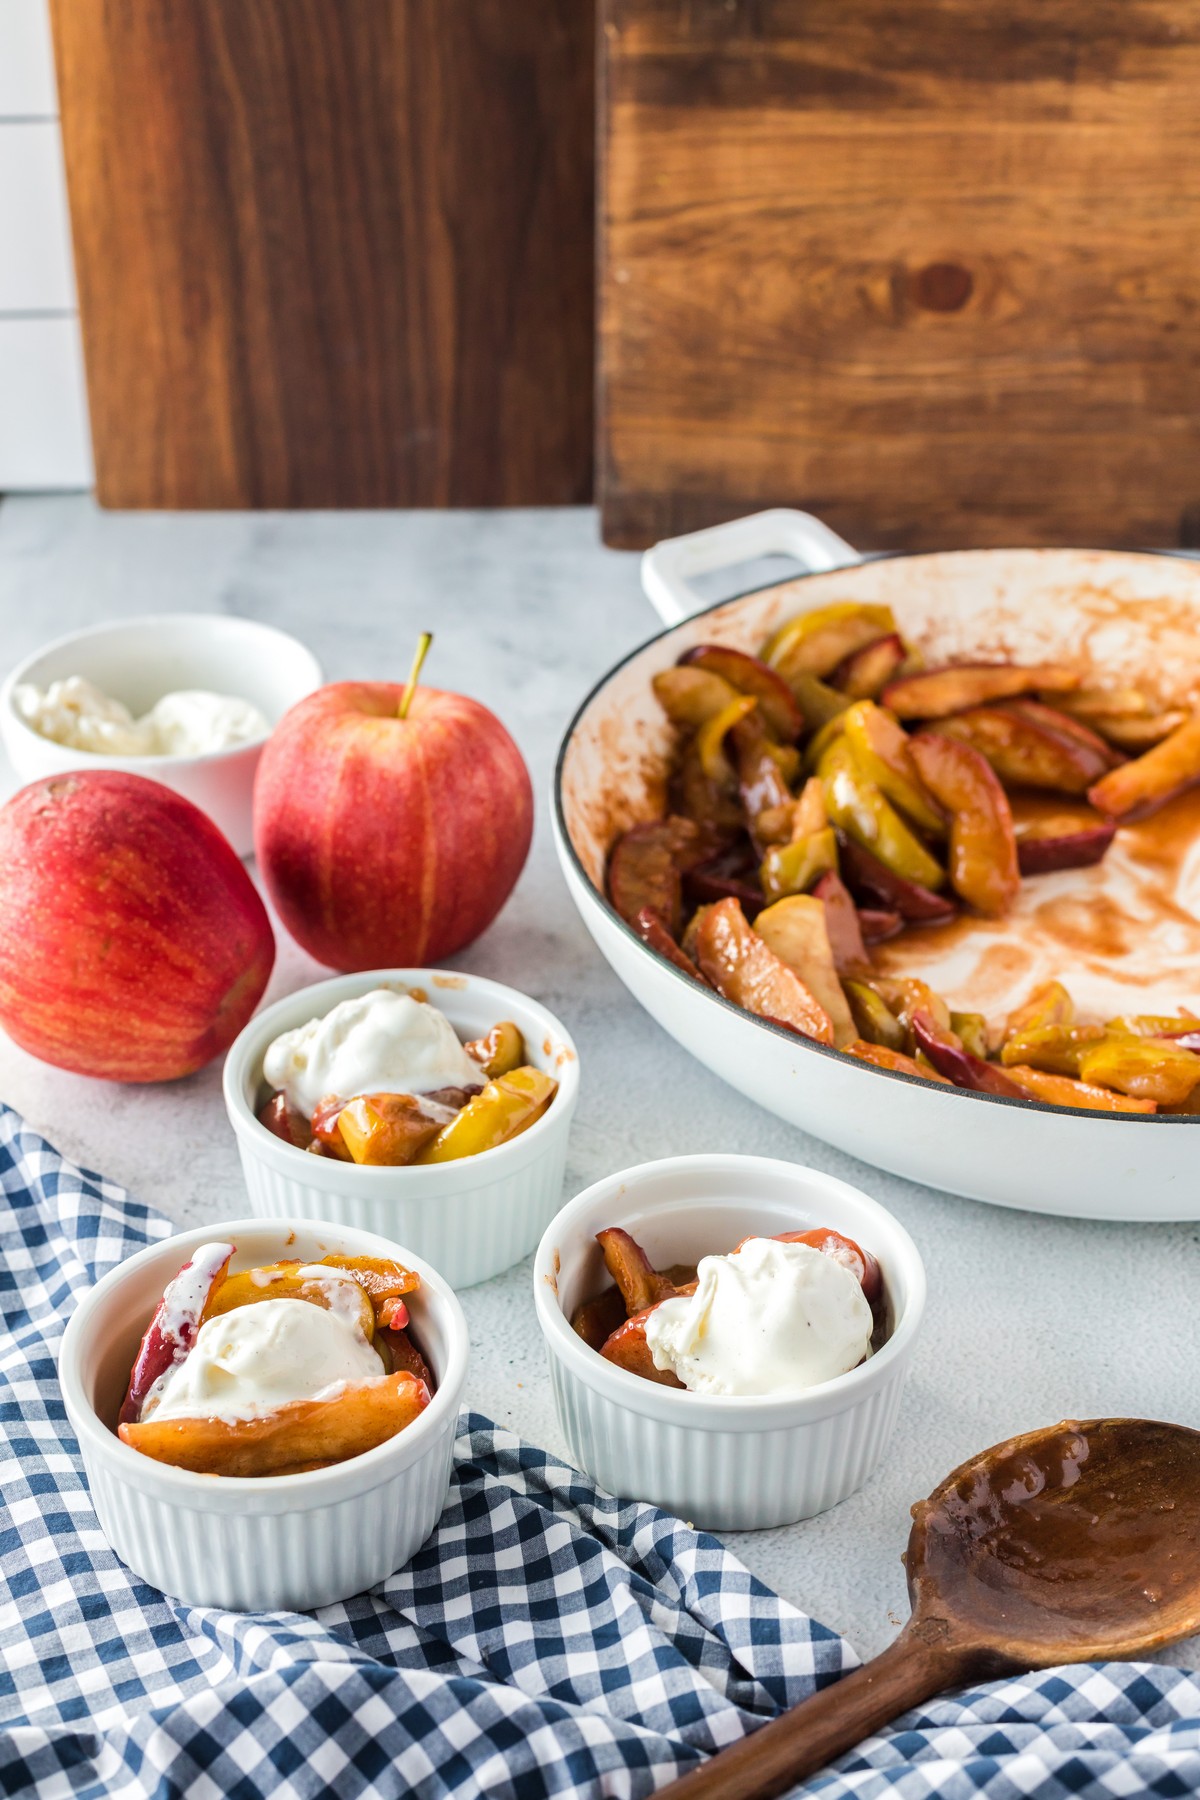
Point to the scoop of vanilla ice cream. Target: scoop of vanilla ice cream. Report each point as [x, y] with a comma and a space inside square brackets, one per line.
[254, 1359]
[770, 1318]
[383, 1042]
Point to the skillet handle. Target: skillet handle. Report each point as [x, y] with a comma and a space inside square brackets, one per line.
[668, 569]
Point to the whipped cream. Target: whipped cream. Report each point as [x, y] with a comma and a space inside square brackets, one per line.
[769, 1318]
[383, 1042]
[192, 722]
[249, 1362]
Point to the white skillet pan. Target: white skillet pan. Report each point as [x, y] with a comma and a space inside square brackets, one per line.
[1125, 937]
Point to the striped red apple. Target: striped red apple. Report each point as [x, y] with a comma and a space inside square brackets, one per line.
[390, 822]
[133, 944]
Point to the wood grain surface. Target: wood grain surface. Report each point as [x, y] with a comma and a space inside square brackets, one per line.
[928, 268]
[333, 252]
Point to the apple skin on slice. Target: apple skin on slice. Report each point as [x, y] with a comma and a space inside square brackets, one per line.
[1025, 752]
[656, 937]
[748, 675]
[1052, 844]
[871, 880]
[957, 1064]
[865, 673]
[177, 1318]
[644, 869]
[983, 845]
[743, 969]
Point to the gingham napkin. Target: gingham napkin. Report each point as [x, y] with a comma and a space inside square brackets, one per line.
[547, 1640]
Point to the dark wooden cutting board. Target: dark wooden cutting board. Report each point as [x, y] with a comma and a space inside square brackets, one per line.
[928, 268]
[333, 252]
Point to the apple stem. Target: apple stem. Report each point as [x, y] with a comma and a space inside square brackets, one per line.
[423, 643]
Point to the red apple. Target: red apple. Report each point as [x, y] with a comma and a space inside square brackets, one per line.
[386, 840]
[133, 944]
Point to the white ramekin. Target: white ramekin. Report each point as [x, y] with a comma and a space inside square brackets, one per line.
[137, 661]
[279, 1543]
[722, 1462]
[471, 1219]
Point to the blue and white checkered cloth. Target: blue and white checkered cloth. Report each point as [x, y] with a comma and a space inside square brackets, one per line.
[547, 1640]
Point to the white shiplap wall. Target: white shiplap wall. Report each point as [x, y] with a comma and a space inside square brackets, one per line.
[43, 411]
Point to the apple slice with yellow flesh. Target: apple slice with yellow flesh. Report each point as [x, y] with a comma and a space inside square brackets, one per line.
[748, 675]
[936, 693]
[983, 848]
[1142, 786]
[747, 971]
[795, 929]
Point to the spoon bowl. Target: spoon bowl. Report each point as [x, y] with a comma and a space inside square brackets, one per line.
[1079, 1543]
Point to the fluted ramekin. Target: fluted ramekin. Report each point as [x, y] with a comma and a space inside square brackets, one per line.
[470, 1218]
[723, 1462]
[266, 1544]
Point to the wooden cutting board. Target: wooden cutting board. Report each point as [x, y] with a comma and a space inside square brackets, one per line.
[333, 252]
[928, 268]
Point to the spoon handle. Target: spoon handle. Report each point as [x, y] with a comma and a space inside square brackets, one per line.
[803, 1740]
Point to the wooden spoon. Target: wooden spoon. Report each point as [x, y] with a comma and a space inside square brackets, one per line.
[1076, 1544]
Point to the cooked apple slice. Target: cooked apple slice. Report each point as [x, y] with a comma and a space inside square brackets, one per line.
[1045, 845]
[878, 925]
[866, 672]
[300, 1434]
[1061, 1090]
[761, 786]
[905, 995]
[283, 1121]
[749, 676]
[817, 700]
[1049, 1006]
[936, 693]
[1137, 735]
[1058, 1049]
[627, 1347]
[983, 846]
[506, 1108]
[655, 935]
[1142, 786]
[885, 1058]
[595, 1320]
[882, 752]
[640, 1284]
[177, 1318]
[498, 1050]
[870, 880]
[858, 808]
[745, 970]
[712, 805]
[644, 870]
[877, 1023]
[1146, 1068]
[691, 697]
[814, 643]
[844, 925]
[949, 1057]
[797, 931]
[386, 1130]
[1023, 752]
[794, 868]
[404, 1354]
[729, 875]
[1052, 718]
[283, 1281]
[710, 739]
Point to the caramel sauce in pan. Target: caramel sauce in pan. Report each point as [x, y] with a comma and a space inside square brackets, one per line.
[1073, 1535]
[1123, 936]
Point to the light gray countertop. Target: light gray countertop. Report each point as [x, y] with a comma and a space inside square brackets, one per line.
[1030, 1319]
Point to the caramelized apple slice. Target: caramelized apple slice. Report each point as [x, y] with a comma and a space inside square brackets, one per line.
[866, 672]
[949, 1057]
[742, 968]
[878, 925]
[1061, 1090]
[326, 1132]
[814, 643]
[639, 1283]
[859, 809]
[712, 805]
[386, 1130]
[843, 923]
[177, 1318]
[1058, 1049]
[691, 697]
[983, 846]
[1049, 1006]
[794, 868]
[1023, 752]
[1053, 718]
[936, 693]
[401, 1350]
[881, 750]
[817, 700]
[1134, 736]
[796, 930]
[1141, 787]
[870, 880]
[1142, 1067]
[885, 1058]
[877, 1023]
[1046, 845]
[761, 786]
[506, 1108]
[627, 1347]
[499, 1050]
[710, 739]
[644, 870]
[748, 675]
[283, 1121]
[302, 1433]
[283, 1281]
[655, 935]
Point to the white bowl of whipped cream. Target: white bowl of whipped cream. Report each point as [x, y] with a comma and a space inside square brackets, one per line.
[187, 699]
[782, 1414]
